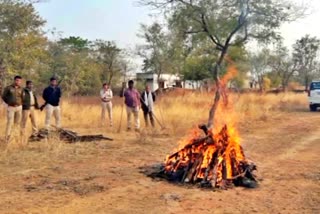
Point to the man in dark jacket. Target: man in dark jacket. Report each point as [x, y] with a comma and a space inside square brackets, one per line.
[30, 105]
[13, 96]
[51, 96]
[148, 98]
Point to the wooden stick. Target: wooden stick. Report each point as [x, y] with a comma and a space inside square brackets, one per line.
[120, 124]
[198, 169]
[214, 175]
[194, 143]
[192, 171]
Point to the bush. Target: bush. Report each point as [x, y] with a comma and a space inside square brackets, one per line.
[266, 83]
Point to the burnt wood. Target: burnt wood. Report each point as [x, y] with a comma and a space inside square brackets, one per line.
[67, 136]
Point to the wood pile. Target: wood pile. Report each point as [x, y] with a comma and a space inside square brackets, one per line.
[213, 161]
[66, 136]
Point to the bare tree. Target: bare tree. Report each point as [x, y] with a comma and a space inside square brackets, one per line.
[226, 23]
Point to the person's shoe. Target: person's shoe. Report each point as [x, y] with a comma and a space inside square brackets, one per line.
[137, 130]
[128, 129]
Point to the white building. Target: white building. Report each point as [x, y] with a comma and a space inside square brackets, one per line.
[166, 80]
[193, 84]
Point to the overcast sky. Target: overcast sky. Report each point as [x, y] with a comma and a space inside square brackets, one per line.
[308, 25]
[119, 20]
[116, 20]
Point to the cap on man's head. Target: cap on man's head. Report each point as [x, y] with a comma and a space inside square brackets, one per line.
[17, 77]
[52, 79]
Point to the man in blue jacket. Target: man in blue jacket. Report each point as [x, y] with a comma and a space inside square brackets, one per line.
[51, 96]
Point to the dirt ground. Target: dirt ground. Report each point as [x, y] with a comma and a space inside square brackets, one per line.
[105, 177]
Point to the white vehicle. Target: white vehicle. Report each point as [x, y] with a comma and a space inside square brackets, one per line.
[314, 95]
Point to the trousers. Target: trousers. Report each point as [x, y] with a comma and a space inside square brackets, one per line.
[135, 112]
[106, 106]
[13, 118]
[55, 111]
[148, 115]
[26, 114]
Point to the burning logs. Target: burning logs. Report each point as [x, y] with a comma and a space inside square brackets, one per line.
[67, 136]
[215, 161]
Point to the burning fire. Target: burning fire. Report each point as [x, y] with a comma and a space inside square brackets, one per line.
[213, 160]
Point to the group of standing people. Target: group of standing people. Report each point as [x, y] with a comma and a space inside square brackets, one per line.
[22, 103]
[133, 101]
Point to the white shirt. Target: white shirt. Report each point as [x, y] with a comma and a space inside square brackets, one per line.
[106, 96]
[32, 101]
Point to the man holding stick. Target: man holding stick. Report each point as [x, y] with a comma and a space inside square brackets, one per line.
[148, 98]
[132, 101]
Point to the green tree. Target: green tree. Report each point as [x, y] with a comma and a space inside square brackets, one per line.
[71, 60]
[75, 43]
[260, 65]
[197, 68]
[155, 52]
[108, 55]
[21, 38]
[283, 65]
[305, 53]
[225, 23]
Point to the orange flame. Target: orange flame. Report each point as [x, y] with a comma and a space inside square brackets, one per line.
[216, 157]
[231, 73]
[224, 152]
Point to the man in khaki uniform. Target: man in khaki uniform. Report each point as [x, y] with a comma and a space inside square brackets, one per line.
[30, 105]
[106, 96]
[13, 96]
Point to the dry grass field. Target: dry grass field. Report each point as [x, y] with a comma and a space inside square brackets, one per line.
[278, 133]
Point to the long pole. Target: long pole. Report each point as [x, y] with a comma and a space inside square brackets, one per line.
[162, 127]
[122, 106]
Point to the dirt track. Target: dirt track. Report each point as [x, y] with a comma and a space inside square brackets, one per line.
[105, 178]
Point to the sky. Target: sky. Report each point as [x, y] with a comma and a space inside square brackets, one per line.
[119, 20]
[308, 25]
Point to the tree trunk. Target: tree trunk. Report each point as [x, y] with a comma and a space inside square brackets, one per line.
[260, 82]
[214, 107]
[286, 81]
[158, 80]
[284, 85]
[306, 82]
[110, 78]
[2, 76]
[217, 97]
